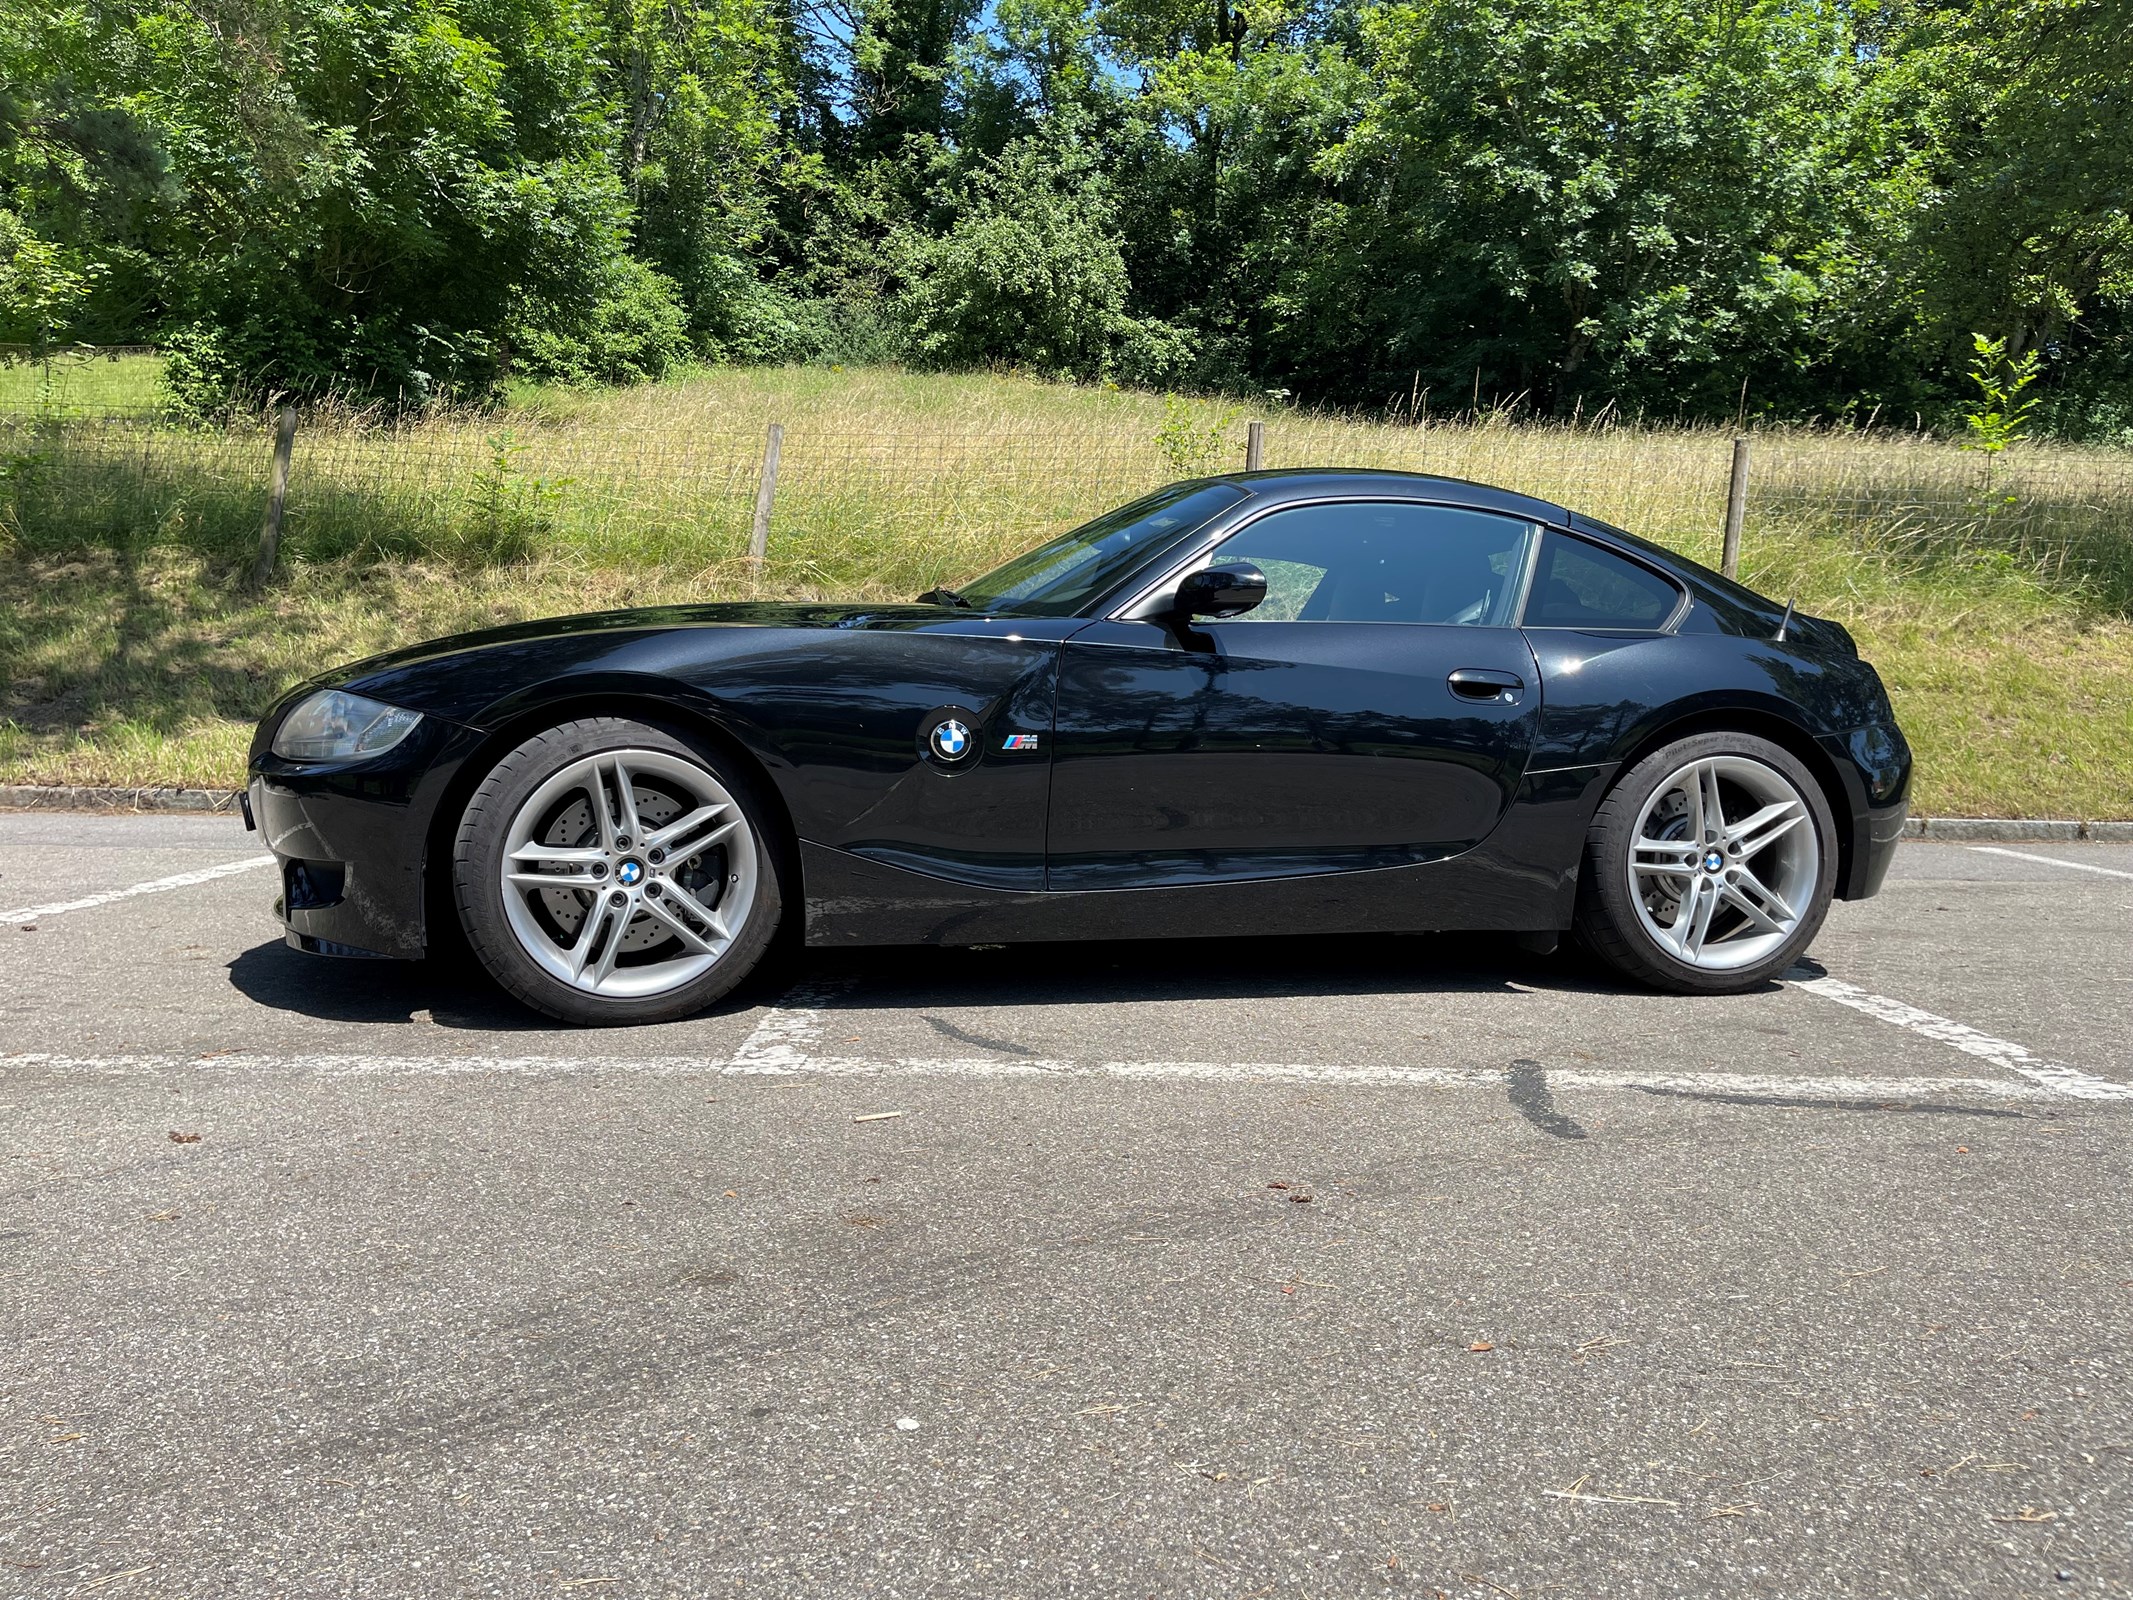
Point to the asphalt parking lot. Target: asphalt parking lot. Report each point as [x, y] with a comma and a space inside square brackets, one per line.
[1227, 1268]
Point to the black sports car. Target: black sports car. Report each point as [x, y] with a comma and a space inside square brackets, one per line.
[1279, 702]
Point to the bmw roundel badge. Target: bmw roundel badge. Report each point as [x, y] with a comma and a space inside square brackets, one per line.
[628, 874]
[948, 738]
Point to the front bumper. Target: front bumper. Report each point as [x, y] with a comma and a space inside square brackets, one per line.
[1875, 764]
[352, 841]
[1879, 832]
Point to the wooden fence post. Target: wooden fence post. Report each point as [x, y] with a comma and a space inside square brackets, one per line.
[1736, 510]
[277, 495]
[1254, 446]
[766, 489]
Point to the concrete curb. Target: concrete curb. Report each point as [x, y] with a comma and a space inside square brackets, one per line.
[2013, 830]
[1949, 830]
[72, 797]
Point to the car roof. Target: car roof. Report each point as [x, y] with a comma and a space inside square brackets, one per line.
[1312, 483]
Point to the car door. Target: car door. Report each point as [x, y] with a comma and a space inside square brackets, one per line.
[1375, 710]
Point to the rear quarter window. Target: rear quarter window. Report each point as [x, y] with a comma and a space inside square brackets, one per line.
[1580, 585]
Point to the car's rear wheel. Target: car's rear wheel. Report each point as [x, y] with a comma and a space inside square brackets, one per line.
[610, 872]
[1709, 867]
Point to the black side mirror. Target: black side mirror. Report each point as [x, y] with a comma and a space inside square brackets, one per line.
[1229, 590]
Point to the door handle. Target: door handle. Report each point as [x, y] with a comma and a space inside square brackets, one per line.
[1487, 686]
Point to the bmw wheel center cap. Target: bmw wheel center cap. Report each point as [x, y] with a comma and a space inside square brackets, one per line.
[1713, 861]
[951, 740]
[629, 874]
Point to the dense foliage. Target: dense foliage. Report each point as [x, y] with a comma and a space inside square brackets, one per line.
[1787, 206]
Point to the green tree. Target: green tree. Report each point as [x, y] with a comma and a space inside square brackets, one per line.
[699, 85]
[383, 198]
[1029, 273]
[1638, 201]
[83, 181]
[1808, 205]
[2000, 380]
[902, 61]
[2020, 178]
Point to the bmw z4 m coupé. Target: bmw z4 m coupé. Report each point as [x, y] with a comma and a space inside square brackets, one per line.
[1272, 703]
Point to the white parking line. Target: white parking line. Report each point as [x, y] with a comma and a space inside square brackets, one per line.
[781, 1040]
[781, 1037]
[2050, 861]
[798, 1063]
[179, 880]
[2053, 1075]
[781, 1045]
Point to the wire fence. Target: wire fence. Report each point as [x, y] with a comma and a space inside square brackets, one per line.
[889, 510]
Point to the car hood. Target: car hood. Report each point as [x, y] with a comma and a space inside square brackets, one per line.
[601, 625]
[464, 676]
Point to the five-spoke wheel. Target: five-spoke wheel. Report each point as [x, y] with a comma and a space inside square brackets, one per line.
[609, 872]
[1709, 866]
[1720, 888]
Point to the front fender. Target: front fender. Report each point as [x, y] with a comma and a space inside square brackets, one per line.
[832, 718]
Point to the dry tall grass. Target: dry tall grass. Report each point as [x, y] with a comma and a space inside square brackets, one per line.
[1994, 594]
[892, 482]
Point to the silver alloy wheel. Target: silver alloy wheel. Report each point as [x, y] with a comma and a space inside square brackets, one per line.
[1724, 862]
[629, 873]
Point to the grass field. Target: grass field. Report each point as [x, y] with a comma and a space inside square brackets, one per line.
[77, 384]
[2000, 611]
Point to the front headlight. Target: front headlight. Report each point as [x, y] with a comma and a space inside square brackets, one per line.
[334, 725]
[1884, 761]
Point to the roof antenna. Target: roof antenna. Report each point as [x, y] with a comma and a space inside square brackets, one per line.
[1784, 622]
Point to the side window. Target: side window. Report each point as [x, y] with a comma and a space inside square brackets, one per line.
[1579, 585]
[1383, 561]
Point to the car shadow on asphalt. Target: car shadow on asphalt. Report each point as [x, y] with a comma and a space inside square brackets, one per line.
[451, 993]
[454, 993]
[1093, 973]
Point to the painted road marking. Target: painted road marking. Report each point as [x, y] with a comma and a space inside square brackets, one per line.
[2050, 861]
[2053, 1075]
[781, 1038]
[180, 880]
[799, 1063]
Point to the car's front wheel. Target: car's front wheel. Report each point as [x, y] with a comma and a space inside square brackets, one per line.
[1709, 867]
[609, 872]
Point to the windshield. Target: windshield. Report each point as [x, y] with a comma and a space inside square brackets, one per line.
[1062, 576]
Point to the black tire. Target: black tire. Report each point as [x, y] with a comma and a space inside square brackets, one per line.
[478, 890]
[1608, 920]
